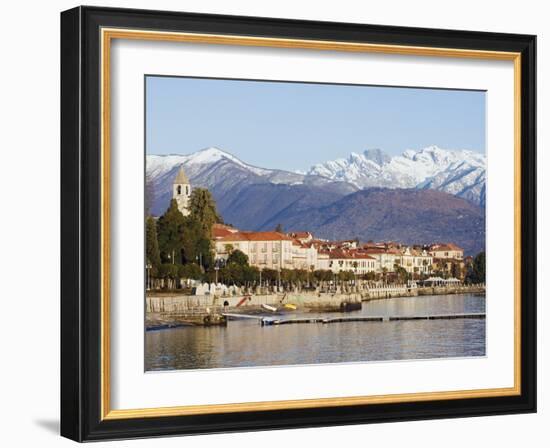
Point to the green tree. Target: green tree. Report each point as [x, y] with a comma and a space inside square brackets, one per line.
[169, 272]
[170, 228]
[322, 275]
[192, 233]
[238, 257]
[152, 252]
[456, 270]
[195, 245]
[476, 272]
[369, 276]
[234, 273]
[401, 272]
[345, 276]
[288, 276]
[269, 275]
[205, 255]
[251, 274]
[149, 194]
[190, 270]
[202, 207]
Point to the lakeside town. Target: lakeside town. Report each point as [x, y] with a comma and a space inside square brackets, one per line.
[173, 255]
[326, 232]
[198, 266]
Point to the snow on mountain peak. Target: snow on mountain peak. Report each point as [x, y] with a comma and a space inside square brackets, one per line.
[160, 164]
[459, 172]
[209, 155]
[377, 156]
[441, 169]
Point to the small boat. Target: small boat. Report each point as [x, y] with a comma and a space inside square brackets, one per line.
[269, 307]
[289, 306]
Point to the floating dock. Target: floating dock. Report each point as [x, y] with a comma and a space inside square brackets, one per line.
[329, 320]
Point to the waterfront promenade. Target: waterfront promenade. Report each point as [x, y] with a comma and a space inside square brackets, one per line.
[197, 309]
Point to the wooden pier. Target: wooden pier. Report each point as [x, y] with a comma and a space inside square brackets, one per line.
[277, 320]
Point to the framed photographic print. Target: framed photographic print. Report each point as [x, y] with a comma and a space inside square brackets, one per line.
[273, 223]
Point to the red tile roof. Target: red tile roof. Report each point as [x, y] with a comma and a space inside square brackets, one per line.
[220, 232]
[341, 254]
[300, 235]
[255, 236]
[445, 246]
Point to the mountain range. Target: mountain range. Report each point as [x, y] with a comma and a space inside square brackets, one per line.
[461, 173]
[426, 195]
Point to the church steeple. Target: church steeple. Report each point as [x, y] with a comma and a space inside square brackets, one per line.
[181, 191]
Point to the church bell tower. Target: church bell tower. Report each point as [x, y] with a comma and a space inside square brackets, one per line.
[181, 191]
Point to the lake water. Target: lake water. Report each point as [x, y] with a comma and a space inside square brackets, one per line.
[245, 343]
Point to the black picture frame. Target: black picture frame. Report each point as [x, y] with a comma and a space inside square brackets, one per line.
[81, 224]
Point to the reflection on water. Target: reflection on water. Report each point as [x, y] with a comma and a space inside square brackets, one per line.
[246, 343]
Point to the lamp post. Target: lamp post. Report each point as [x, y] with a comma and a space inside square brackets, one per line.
[199, 259]
[148, 267]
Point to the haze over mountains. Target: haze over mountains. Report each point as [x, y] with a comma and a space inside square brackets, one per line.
[426, 195]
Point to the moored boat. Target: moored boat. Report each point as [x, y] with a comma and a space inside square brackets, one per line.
[269, 307]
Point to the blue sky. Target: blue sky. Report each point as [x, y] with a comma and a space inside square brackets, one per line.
[295, 125]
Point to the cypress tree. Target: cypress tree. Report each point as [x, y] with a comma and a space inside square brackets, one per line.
[202, 207]
[479, 267]
[170, 234]
[152, 252]
[149, 194]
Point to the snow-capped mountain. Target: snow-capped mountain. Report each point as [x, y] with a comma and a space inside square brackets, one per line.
[331, 198]
[160, 164]
[233, 181]
[461, 173]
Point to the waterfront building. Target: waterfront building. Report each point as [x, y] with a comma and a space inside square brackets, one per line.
[448, 259]
[304, 255]
[446, 251]
[387, 258]
[302, 237]
[323, 261]
[356, 261]
[300, 250]
[272, 250]
[417, 261]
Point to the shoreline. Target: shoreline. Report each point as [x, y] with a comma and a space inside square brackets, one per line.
[168, 311]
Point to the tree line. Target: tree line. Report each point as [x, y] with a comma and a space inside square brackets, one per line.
[179, 246]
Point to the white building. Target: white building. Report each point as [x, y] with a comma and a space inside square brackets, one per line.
[355, 261]
[416, 261]
[446, 251]
[272, 250]
[387, 258]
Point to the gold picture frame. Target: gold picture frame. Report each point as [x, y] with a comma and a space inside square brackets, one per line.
[518, 49]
